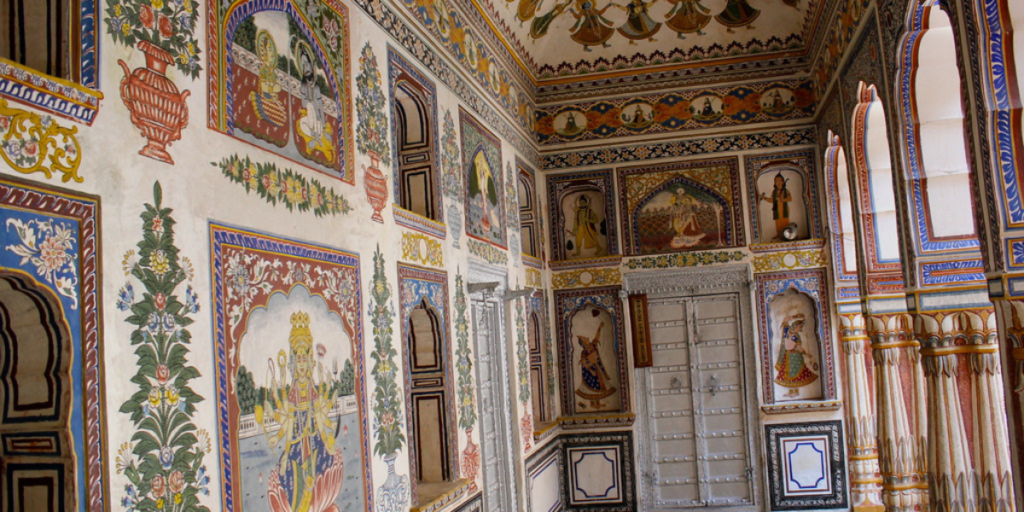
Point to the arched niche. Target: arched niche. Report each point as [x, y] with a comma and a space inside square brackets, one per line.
[840, 210]
[414, 133]
[937, 169]
[795, 347]
[875, 192]
[36, 391]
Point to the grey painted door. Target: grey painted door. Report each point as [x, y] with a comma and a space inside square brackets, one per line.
[492, 393]
[695, 414]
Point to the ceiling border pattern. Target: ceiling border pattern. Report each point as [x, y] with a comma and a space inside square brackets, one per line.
[679, 148]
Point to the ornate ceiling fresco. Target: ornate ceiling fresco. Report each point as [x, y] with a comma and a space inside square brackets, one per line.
[574, 40]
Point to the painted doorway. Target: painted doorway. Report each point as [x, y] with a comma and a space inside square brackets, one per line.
[496, 434]
[696, 411]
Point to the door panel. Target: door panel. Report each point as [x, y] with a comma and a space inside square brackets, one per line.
[696, 404]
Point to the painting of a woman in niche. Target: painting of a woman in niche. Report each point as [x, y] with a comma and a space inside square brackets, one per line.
[596, 386]
[796, 347]
[484, 193]
[782, 205]
[794, 362]
[298, 437]
[584, 224]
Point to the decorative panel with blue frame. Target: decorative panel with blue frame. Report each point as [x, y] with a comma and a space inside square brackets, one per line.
[806, 466]
[598, 472]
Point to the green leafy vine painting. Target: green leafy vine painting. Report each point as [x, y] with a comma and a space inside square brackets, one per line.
[372, 129]
[387, 404]
[463, 358]
[164, 459]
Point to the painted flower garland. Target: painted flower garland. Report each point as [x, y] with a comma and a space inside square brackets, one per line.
[164, 459]
[284, 186]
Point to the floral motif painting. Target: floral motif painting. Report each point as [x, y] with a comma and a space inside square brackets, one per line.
[290, 386]
[796, 346]
[279, 79]
[592, 356]
[582, 215]
[165, 459]
[678, 207]
[485, 191]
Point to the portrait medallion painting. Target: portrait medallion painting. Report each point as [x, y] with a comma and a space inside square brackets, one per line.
[796, 346]
[593, 357]
[681, 207]
[582, 215]
[292, 434]
[281, 83]
[782, 197]
[485, 198]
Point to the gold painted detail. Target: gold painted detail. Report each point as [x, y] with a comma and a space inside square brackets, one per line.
[534, 278]
[686, 259]
[586, 277]
[32, 143]
[487, 252]
[420, 248]
[790, 260]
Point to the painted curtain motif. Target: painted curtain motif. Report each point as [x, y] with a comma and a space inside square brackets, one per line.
[593, 358]
[485, 195]
[796, 346]
[782, 194]
[48, 242]
[683, 206]
[279, 80]
[288, 344]
[582, 215]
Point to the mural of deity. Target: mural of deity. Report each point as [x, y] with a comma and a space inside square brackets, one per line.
[483, 191]
[794, 362]
[591, 28]
[596, 384]
[585, 227]
[782, 205]
[684, 221]
[286, 95]
[541, 24]
[308, 475]
[688, 17]
[639, 25]
[680, 217]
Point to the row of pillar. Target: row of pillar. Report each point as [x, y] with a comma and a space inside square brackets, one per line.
[926, 412]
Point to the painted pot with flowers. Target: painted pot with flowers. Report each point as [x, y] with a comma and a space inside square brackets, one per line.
[164, 31]
[372, 129]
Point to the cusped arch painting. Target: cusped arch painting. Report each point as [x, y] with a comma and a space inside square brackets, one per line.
[278, 80]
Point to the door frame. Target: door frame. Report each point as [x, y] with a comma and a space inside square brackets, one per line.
[695, 283]
[489, 284]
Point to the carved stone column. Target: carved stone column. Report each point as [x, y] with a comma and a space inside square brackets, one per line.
[901, 443]
[865, 480]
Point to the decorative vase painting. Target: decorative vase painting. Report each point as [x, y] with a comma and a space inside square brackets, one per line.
[284, 86]
[290, 366]
[686, 206]
[485, 201]
[796, 358]
[156, 106]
